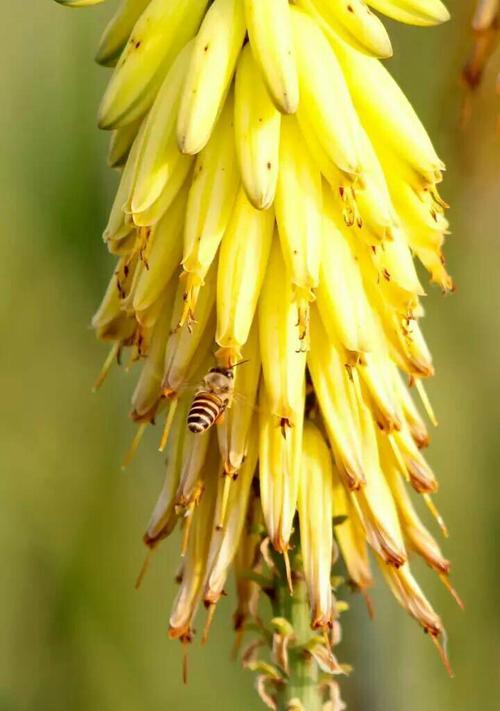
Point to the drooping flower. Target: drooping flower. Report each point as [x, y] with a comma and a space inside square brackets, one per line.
[275, 188]
[485, 27]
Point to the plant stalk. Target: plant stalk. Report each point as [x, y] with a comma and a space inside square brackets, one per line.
[302, 682]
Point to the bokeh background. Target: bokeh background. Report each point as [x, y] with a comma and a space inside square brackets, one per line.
[74, 633]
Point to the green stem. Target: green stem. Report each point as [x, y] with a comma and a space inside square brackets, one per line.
[302, 683]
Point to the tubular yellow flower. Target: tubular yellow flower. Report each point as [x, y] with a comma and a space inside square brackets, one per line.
[275, 186]
[316, 532]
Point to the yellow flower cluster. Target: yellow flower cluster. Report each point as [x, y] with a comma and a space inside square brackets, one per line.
[275, 187]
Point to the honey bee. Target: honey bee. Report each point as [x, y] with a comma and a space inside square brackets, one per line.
[212, 399]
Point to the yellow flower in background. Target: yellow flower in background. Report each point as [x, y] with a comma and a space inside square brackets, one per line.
[275, 188]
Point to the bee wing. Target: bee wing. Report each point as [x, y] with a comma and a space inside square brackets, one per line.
[240, 400]
[188, 389]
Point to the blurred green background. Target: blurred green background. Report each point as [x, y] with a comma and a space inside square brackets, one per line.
[74, 633]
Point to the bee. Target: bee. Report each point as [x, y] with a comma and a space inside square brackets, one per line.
[212, 399]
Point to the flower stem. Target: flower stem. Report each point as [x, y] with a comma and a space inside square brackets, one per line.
[302, 683]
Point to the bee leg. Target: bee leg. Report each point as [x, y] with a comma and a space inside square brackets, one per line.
[220, 419]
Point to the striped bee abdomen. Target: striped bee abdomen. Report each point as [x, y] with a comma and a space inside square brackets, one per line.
[205, 409]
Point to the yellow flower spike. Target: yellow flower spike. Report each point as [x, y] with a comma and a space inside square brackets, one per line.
[279, 341]
[118, 31]
[225, 542]
[355, 24]
[164, 516]
[195, 562]
[338, 402]
[121, 143]
[341, 298]
[286, 242]
[165, 253]
[160, 33]
[299, 220]
[215, 53]
[413, 12]
[350, 535]
[325, 101]
[257, 126]
[387, 115]
[211, 198]
[315, 515]
[234, 433]
[270, 35]
[279, 471]
[243, 260]
[159, 156]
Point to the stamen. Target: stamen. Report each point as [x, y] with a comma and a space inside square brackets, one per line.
[224, 501]
[284, 423]
[399, 456]
[113, 353]
[208, 623]
[288, 570]
[143, 243]
[240, 632]
[190, 298]
[303, 323]
[369, 604]
[228, 357]
[168, 423]
[441, 648]
[134, 444]
[188, 520]
[444, 579]
[185, 649]
[144, 568]
[425, 401]
[434, 511]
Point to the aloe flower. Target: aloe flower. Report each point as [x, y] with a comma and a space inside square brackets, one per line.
[275, 188]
